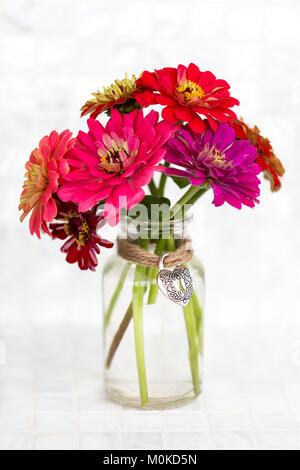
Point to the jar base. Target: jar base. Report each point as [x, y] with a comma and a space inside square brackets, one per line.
[158, 400]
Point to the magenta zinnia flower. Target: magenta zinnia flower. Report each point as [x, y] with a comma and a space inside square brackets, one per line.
[228, 166]
[80, 230]
[114, 162]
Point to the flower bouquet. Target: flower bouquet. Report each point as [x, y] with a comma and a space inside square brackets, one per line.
[153, 289]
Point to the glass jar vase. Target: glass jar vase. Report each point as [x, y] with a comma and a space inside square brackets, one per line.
[153, 346]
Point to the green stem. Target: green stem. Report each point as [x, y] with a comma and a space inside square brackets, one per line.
[116, 294]
[151, 276]
[198, 314]
[118, 336]
[190, 197]
[153, 290]
[162, 181]
[152, 188]
[121, 330]
[137, 311]
[193, 347]
[171, 243]
[183, 200]
[197, 196]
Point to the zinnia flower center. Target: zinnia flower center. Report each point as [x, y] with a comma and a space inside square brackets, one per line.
[77, 226]
[219, 159]
[190, 90]
[111, 162]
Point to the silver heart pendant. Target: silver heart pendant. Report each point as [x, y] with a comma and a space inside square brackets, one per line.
[167, 280]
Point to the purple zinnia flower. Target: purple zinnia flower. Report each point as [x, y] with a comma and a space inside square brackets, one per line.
[215, 158]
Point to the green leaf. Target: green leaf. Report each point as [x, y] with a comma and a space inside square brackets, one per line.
[152, 204]
[149, 199]
[126, 107]
[181, 182]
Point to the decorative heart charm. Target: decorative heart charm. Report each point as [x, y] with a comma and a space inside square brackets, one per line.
[166, 281]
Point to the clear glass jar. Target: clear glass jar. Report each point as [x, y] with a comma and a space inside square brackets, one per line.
[153, 360]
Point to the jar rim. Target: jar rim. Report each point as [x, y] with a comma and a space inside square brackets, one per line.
[131, 228]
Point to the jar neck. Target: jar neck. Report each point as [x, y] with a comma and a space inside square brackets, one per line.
[134, 230]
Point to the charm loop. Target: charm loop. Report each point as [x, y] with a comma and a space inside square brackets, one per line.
[161, 261]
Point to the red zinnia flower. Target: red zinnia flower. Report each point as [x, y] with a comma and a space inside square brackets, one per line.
[187, 93]
[46, 167]
[267, 160]
[80, 229]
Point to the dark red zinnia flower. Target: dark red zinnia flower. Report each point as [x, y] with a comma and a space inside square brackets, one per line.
[267, 160]
[80, 230]
[187, 94]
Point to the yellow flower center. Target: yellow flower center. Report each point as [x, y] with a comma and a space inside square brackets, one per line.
[219, 159]
[111, 162]
[84, 234]
[82, 225]
[190, 90]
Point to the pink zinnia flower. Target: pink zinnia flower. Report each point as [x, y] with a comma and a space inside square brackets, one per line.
[45, 169]
[187, 94]
[80, 230]
[114, 162]
[215, 158]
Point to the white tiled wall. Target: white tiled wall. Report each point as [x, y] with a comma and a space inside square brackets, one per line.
[52, 55]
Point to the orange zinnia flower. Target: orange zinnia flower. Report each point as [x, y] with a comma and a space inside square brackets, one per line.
[45, 169]
[119, 94]
[267, 160]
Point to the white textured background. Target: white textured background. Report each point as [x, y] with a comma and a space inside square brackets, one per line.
[52, 55]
